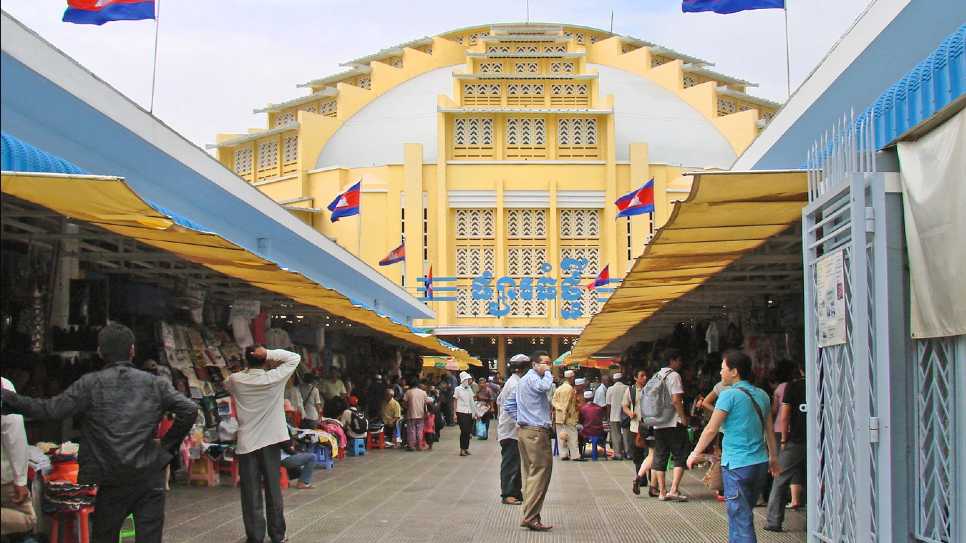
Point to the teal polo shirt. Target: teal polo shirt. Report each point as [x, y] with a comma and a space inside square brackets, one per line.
[744, 437]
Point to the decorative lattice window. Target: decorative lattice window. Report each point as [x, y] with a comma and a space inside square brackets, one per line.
[525, 261]
[481, 94]
[498, 49]
[310, 109]
[526, 223]
[569, 34]
[592, 254]
[526, 132]
[459, 40]
[690, 81]
[474, 38]
[243, 160]
[329, 107]
[528, 308]
[576, 131]
[473, 261]
[624, 50]
[589, 306]
[580, 38]
[655, 62]
[473, 131]
[593, 40]
[580, 223]
[283, 119]
[365, 83]
[527, 49]
[475, 223]
[562, 67]
[555, 49]
[397, 63]
[725, 107]
[744, 107]
[491, 67]
[466, 306]
[290, 148]
[429, 50]
[768, 115]
[526, 67]
[267, 154]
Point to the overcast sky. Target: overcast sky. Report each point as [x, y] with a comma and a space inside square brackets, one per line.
[219, 59]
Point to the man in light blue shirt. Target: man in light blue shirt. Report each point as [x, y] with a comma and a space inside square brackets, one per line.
[600, 395]
[529, 406]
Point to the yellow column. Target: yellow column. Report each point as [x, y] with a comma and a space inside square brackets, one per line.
[609, 227]
[554, 348]
[640, 174]
[442, 217]
[501, 354]
[500, 235]
[413, 227]
[553, 247]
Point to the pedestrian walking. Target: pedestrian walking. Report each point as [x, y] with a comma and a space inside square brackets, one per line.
[749, 449]
[565, 417]
[617, 419]
[511, 489]
[259, 403]
[529, 406]
[793, 454]
[121, 407]
[466, 411]
[671, 432]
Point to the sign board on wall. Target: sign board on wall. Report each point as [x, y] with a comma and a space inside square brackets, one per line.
[830, 299]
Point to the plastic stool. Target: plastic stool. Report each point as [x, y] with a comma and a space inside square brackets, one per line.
[80, 517]
[283, 477]
[323, 456]
[235, 477]
[209, 476]
[376, 440]
[593, 444]
[356, 446]
[127, 533]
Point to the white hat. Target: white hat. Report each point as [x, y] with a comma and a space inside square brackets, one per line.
[588, 394]
[520, 358]
[568, 374]
[464, 376]
[617, 376]
[378, 376]
[490, 378]
[580, 381]
[431, 399]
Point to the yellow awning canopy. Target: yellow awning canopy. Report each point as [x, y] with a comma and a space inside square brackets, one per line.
[109, 203]
[444, 362]
[726, 215]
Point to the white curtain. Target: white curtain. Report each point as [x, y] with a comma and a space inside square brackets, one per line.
[933, 171]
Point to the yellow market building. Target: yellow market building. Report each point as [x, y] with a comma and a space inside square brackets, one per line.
[497, 152]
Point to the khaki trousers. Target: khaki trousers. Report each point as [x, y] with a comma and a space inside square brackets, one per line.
[15, 518]
[536, 465]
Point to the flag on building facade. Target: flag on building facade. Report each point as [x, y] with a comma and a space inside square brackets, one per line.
[396, 255]
[429, 283]
[346, 204]
[725, 7]
[637, 202]
[98, 12]
[603, 278]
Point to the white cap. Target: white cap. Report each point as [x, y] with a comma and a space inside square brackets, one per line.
[580, 381]
[520, 358]
[588, 394]
[464, 376]
[617, 376]
[568, 374]
[430, 399]
[489, 378]
[378, 376]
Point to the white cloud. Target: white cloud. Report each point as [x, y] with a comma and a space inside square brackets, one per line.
[220, 59]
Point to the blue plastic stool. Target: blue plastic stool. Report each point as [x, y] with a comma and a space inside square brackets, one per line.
[323, 456]
[356, 446]
[593, 443]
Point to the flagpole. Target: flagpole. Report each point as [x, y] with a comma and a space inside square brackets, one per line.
[154, 67]
[788, 70]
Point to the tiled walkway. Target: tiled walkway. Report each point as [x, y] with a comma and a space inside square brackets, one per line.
[393, 496]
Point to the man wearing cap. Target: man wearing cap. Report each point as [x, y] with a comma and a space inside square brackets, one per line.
[346, 419]
[466, 411]
[615, 394]
[580, 386]
[511, 490]
[591, 419]
[565, 417]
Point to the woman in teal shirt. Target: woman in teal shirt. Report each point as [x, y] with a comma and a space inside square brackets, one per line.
[749, 450]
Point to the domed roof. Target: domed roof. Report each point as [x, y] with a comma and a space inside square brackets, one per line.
[675, 132]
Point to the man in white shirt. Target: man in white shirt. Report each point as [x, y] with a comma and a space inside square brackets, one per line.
[16, 511]
[671, 437]
[615, 394]
[259, 400]
[600, 394]
[511, 485]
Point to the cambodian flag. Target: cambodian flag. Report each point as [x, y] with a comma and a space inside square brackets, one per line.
[729, 6]
[98, 12]
[603, 278]
[429, 284]
[396, 255]
[637, 202]
[346, 204]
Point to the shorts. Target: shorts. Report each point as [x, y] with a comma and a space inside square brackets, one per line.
[671, 441]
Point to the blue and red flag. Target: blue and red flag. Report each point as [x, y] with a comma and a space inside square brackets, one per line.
[98, 12]
[429, 284]
[603, 278]
[637, 202]
[346, 204]
[725, 7]
[396, 255]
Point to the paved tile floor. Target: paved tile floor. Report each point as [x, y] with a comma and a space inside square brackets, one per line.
[394, 496]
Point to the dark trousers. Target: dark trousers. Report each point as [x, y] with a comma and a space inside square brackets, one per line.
[256, 468]
[510, 483]
[638, 454]
[114, 503]
[465, 421]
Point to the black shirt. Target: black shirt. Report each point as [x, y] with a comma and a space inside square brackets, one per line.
[795, 398]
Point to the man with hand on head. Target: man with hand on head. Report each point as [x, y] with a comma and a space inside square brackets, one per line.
[259, 399]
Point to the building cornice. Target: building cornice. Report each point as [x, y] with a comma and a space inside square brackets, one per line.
[291, 125]
[341, 76]
[274, 108]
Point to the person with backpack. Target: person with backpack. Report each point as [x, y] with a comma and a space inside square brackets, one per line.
[311, 402]
[662, 407]
[354, 421]
[749, 449]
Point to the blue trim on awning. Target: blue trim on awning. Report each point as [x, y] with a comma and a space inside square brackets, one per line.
[19, 156]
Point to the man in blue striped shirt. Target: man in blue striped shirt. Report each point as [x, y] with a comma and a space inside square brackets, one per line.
[529, 405]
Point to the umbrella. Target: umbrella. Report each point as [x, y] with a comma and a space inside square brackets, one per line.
[560, 359]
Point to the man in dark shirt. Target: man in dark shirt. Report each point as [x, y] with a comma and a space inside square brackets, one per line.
[793, 453]
[591, 419]
[121, 407]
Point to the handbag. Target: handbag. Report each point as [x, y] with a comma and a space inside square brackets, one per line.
[641, 439]
[712, 479]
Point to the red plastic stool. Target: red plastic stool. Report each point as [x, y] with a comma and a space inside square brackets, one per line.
[210, 476]
[283, 474]
[376, 440]
[79, 516]
[235, 477]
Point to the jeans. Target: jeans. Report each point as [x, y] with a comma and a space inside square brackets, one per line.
[510, 482]
[742, 486]
[114, 503]
[301, 466]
